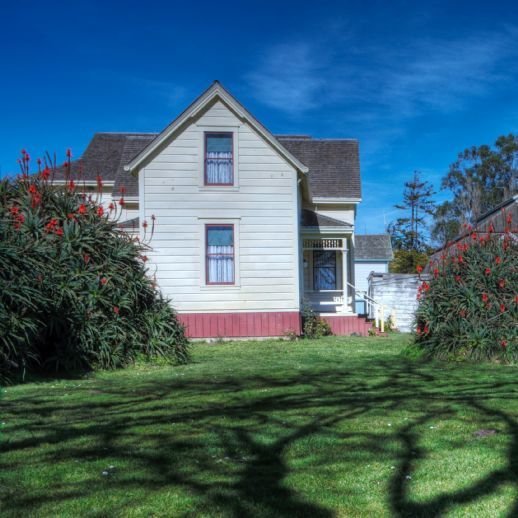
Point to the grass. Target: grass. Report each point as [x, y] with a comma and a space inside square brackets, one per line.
[334, 427]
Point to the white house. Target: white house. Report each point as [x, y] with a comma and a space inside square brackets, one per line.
[249, 225]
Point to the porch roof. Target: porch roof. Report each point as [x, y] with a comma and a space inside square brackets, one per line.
[310, 219]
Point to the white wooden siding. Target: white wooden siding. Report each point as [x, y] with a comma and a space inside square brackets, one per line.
[265, 202]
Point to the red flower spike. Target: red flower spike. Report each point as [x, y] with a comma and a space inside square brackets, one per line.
[144, 224]
[111, 206]
[103, 281]
[100, 211]
[82, 209]
[32, 189]
[503, 344]
[498, 259]
[122, 202]
[458, 278]
[45, 174]
[419, 269]
[69, 153]
[502, 308]
[501, 283]
[122, 190]
[86, 258]
[487, 271]
[435, 273]
[59, 232]
[116, 310]
[485, 298]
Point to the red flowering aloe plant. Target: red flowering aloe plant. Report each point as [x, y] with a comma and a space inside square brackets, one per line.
[73, 287]
[468, 309]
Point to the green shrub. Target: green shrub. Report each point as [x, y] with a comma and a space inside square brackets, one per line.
[469, 307]
[406, 261]
[312, 325]
[74, 290]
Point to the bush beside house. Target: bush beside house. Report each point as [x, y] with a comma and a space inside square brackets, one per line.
[74, 290]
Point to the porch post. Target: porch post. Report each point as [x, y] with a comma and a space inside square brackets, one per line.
[345, 306]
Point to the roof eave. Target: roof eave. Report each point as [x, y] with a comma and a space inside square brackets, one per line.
[326, 200]
[327, 230]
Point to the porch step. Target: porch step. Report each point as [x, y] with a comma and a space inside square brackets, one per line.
[345, 325]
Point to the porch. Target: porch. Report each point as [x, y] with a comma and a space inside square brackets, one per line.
[327, 268]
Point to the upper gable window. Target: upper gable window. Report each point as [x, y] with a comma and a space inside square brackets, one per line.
[219, 163]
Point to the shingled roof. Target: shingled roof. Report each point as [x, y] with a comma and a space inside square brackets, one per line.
[372, 247]
[313, 219]
[334, 169]
[334, 164]
[106, 156]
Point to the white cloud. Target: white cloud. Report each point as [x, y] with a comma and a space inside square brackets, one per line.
[375, 83]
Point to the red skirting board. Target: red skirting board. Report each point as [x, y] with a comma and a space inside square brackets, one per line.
[345, 325]
[263, 324]
[242, 325]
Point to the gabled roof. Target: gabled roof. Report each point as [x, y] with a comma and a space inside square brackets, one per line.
[372, 247]
[215, 91]
[314, 220]
[334, 165]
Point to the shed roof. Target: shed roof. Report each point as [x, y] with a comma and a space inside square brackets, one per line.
[373, 247]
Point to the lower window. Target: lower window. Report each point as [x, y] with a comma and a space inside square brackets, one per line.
[220, 256]
[324, 270]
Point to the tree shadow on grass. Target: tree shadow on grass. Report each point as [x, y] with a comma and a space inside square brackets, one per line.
[227, 441]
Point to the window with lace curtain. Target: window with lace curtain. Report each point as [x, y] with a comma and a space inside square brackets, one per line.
[219, 164]
[220, 256]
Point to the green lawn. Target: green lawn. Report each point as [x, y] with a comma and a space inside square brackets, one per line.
[334, 427]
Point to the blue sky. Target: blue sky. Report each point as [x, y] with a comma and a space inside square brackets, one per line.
[415, 82]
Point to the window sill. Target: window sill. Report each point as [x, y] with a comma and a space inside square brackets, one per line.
[222, 287]
[219, 188]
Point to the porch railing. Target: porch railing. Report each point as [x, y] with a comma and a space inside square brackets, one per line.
[376, 310]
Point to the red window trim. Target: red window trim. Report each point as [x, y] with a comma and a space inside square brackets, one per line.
[211, 134]
[227, 225]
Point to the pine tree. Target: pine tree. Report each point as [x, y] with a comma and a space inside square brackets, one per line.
[410, 231]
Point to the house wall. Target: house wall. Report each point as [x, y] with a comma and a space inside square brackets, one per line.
[364, 269]
[263, 207]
